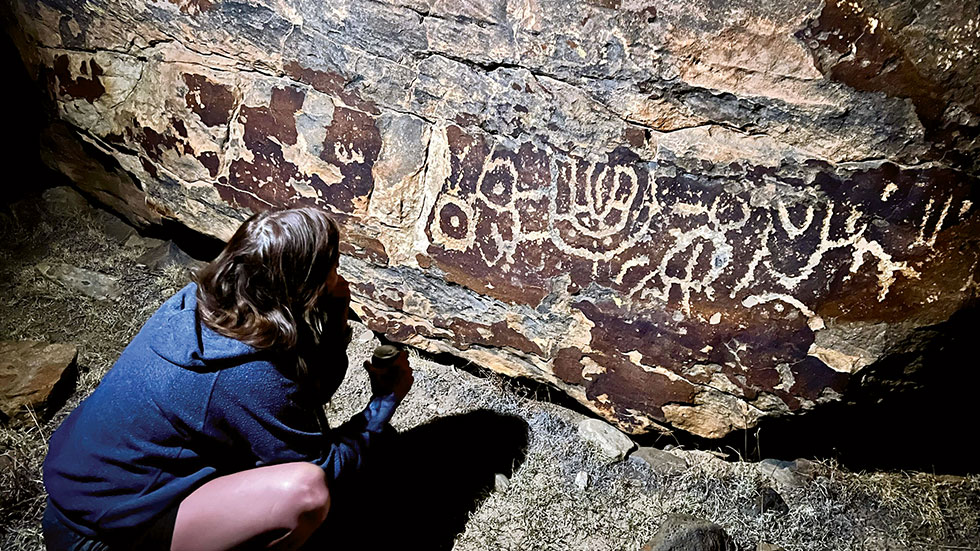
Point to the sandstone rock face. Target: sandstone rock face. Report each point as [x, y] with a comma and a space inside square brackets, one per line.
[690, 214]
[29, 372]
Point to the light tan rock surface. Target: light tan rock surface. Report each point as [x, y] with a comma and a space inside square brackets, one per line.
[29, 371]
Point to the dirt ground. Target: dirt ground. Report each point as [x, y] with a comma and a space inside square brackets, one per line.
[483, 463]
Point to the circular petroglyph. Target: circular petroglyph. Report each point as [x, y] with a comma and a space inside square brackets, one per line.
[453, 226]
[453, 222]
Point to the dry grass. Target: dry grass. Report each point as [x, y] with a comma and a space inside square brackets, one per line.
[543, 509]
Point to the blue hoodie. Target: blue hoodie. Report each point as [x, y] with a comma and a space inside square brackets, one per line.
[181, 406]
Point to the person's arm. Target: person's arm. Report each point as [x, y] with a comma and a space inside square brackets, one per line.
[252, 407]
[349, 443]
[388, 387]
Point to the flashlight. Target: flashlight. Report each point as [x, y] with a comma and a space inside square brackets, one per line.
[384, 357]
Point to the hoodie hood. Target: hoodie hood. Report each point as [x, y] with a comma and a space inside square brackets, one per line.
[178, 336]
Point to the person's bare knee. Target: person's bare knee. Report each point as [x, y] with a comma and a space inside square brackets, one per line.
[305, 493]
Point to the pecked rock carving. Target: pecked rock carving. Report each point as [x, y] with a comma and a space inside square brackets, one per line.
[689, 215]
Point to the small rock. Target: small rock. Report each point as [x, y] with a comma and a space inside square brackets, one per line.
[809, 469]
[364, 341]
[582, 480]
[139, 242]
[64, 199]
[29, 373]
[661, 462]
[115, 228]
[687, 533]
[168, 254]
[610, 441]
[501, 483]
[366, 336]
[777, 463]
[767, 500]
[700, 457]
[767, 547]
[788, 474]
[89, 283]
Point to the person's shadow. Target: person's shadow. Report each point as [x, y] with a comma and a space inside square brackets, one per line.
[419, 491]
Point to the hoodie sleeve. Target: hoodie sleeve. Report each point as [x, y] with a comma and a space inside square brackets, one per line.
[255, 409]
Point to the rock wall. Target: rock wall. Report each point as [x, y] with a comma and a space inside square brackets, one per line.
[683, 214]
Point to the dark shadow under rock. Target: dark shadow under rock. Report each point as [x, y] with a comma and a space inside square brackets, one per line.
[420, 491]
[766, 500]
[905, 411]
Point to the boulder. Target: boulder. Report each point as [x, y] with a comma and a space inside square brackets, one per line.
[66, 201]
[29, 373]
[683, 214]
[688, 533]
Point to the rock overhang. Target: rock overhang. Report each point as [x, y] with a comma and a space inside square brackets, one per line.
[674, 231]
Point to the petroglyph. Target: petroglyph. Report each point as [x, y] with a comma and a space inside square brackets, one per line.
[930, 241]
[662, 240]
[673, 246]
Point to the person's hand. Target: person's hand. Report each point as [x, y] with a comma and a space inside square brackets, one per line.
[335, 302]
[397, 378]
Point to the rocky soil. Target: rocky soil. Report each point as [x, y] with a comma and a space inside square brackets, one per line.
[486, 462]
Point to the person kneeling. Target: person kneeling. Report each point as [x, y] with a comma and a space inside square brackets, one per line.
[208, 433]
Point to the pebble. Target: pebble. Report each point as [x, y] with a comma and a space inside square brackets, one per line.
[501, 483]
[582, 480]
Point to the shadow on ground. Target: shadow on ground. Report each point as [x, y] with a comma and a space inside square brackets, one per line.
[422, 491]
